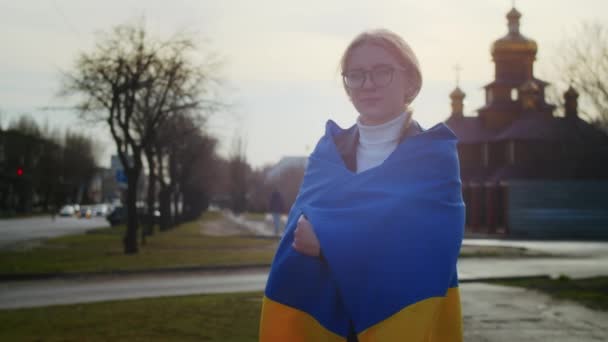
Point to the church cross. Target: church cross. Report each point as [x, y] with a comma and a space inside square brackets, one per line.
[457, 70]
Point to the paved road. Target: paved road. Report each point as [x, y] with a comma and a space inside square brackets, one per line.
[564, 248]
[17, 231]
[474, 268]
[490, 313]
[575, 259]
[52, 292]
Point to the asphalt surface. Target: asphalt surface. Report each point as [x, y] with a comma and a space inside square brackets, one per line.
[63, 291]
[15, 232]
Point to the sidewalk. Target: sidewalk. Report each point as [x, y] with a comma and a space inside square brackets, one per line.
[258, 228]
[504, 314]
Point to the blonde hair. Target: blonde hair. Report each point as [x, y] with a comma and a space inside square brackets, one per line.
[398, 48]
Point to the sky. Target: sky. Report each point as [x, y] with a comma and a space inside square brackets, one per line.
[280, 57]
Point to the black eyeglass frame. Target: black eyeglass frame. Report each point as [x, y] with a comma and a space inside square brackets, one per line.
[369, 74]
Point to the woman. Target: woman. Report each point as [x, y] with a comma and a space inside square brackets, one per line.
[372, 240]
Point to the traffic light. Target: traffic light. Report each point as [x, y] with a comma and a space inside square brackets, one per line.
[19, 171]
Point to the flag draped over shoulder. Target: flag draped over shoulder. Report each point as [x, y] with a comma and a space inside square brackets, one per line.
[390, 237]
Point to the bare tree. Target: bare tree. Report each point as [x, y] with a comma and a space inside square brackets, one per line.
[289, 181]
[582, 63]
[135, 84]
[239, 171]
[188, 154]
[197, 174]
[78, 163]
[260, 189]
[168, 142]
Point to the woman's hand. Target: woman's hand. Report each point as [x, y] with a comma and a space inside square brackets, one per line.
[305, 241]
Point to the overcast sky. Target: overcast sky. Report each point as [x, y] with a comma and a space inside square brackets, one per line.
[281, 56]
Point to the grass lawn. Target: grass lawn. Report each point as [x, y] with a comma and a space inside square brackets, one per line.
[591, 292]
[225, 317]
[101, 251]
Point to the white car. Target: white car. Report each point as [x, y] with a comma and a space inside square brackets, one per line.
[67, 210]
[101, 210]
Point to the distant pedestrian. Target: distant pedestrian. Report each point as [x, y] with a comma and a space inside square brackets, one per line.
[276, 207]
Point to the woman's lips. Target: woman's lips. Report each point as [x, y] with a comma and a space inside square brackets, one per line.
[370, 101]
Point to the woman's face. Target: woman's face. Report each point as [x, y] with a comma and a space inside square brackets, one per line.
[379, 84]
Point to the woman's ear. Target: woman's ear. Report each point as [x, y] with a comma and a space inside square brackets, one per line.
[409, 95]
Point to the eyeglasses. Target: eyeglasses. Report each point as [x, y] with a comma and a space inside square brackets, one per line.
[380, 76]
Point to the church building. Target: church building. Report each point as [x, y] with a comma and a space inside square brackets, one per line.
[526, 171]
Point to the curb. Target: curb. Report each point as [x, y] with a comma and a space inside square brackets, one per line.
[195, 269]
[494, 279]
[85, 275]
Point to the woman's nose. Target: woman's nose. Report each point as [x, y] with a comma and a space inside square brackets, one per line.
[367, 83]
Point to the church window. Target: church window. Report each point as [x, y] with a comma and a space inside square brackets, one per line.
[514, 94]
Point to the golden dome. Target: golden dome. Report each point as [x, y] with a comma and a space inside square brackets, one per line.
[514, 41]
[457, 94]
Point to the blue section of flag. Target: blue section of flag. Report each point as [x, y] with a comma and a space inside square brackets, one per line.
[390, 235]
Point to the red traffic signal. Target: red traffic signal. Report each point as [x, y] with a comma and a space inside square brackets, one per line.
[19, 172]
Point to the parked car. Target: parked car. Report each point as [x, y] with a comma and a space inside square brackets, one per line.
[119, 216]
[100, 210]
[67, 210]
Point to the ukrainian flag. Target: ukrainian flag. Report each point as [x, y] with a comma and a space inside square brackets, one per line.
[390, 237]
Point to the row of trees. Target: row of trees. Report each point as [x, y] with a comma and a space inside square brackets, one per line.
[42, 168]
[250, 189]
[154, 97]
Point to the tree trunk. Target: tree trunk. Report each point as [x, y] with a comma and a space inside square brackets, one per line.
[172, 185]
[165, 208]
[176, 211]
[130, 238]
[151, 198]
[164, 193]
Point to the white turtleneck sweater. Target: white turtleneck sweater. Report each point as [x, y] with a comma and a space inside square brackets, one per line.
[376, 143]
